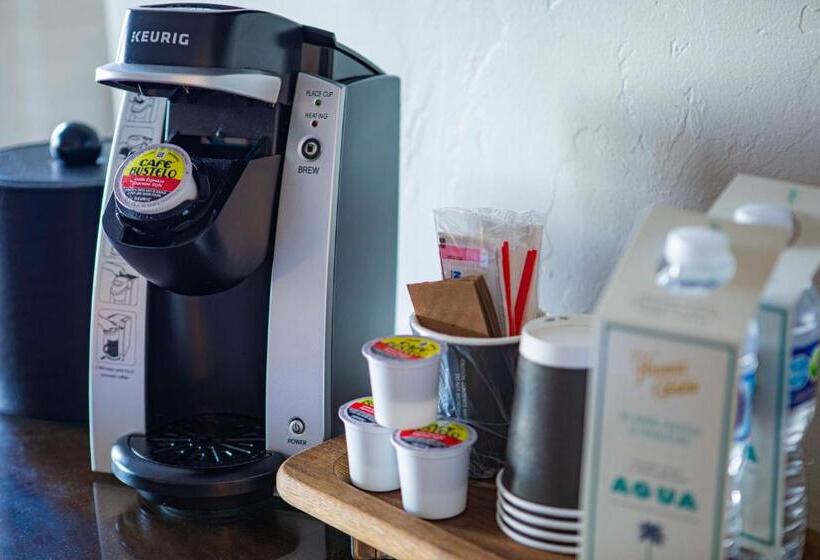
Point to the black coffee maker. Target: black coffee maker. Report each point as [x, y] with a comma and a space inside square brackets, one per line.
[250, 297]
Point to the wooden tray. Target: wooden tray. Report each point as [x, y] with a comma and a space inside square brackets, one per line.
[317, 482]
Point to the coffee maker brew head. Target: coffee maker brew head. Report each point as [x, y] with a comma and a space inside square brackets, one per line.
[168, 47]
[194, 215]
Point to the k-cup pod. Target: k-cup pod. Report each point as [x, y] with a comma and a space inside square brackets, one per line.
[404, 379]
[154, 181]
[546, 437]
[370, 454]
[434, 465]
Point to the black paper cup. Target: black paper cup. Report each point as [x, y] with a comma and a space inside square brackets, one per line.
[476, 383]
[546, 436]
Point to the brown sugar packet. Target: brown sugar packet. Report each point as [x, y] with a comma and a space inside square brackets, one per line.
[458, 307]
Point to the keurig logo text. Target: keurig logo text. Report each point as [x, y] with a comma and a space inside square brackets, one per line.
[163, 37]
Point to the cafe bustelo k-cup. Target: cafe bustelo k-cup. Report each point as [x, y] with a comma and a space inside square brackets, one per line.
[434, 463]
[370, 455]
[404, 379]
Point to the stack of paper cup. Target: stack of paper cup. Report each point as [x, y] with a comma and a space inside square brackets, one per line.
[538, 526]
[538, 490]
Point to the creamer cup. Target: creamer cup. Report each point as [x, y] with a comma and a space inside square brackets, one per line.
[404, 379]
[434, 463]
[370, 454]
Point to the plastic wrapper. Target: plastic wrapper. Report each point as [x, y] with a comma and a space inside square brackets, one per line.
[477, 376]
[501, 245]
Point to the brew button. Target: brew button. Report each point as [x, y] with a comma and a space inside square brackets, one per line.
[296, 426]
[311, 149]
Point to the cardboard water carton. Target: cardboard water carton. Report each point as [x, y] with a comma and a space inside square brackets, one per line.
[787, 371]
[662, 398]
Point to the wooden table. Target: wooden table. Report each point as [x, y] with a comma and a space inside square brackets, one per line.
[317, 482]
[53, 506]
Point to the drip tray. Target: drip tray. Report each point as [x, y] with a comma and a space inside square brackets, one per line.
[210, 461]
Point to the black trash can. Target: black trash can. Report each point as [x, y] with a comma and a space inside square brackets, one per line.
[49, 214]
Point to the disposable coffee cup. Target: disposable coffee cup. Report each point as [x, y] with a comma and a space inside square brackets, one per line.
[562, 537]
[433, 468]
[544, 447]
[476, 385]
[546, 512]
[542, 522]
[404, 379]
[549, 546]
[370, 454]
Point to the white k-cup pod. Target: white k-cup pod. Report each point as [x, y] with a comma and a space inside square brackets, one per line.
[155, 180]
[370, 454]
[404, 379]
[434, 463]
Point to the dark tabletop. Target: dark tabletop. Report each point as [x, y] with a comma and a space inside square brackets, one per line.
[53, 506]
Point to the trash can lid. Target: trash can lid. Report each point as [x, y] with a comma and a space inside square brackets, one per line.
[31, 166]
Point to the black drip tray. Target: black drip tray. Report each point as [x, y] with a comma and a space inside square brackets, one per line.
[207, 462]
[206, 441]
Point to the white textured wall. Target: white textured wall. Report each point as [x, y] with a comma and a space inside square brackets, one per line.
[588, 110]
[48, 52]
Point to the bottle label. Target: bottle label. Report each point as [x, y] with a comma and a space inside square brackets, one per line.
[362, 411]
[405, 348]
[803, 373]
[438, 435]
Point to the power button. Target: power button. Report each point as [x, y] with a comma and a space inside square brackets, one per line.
[296, 426]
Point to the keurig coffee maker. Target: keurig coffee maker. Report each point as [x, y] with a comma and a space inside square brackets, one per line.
[247, 249]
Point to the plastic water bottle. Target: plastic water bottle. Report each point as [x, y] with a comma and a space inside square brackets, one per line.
[699, 260]
[747, 369]
[805, 336]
